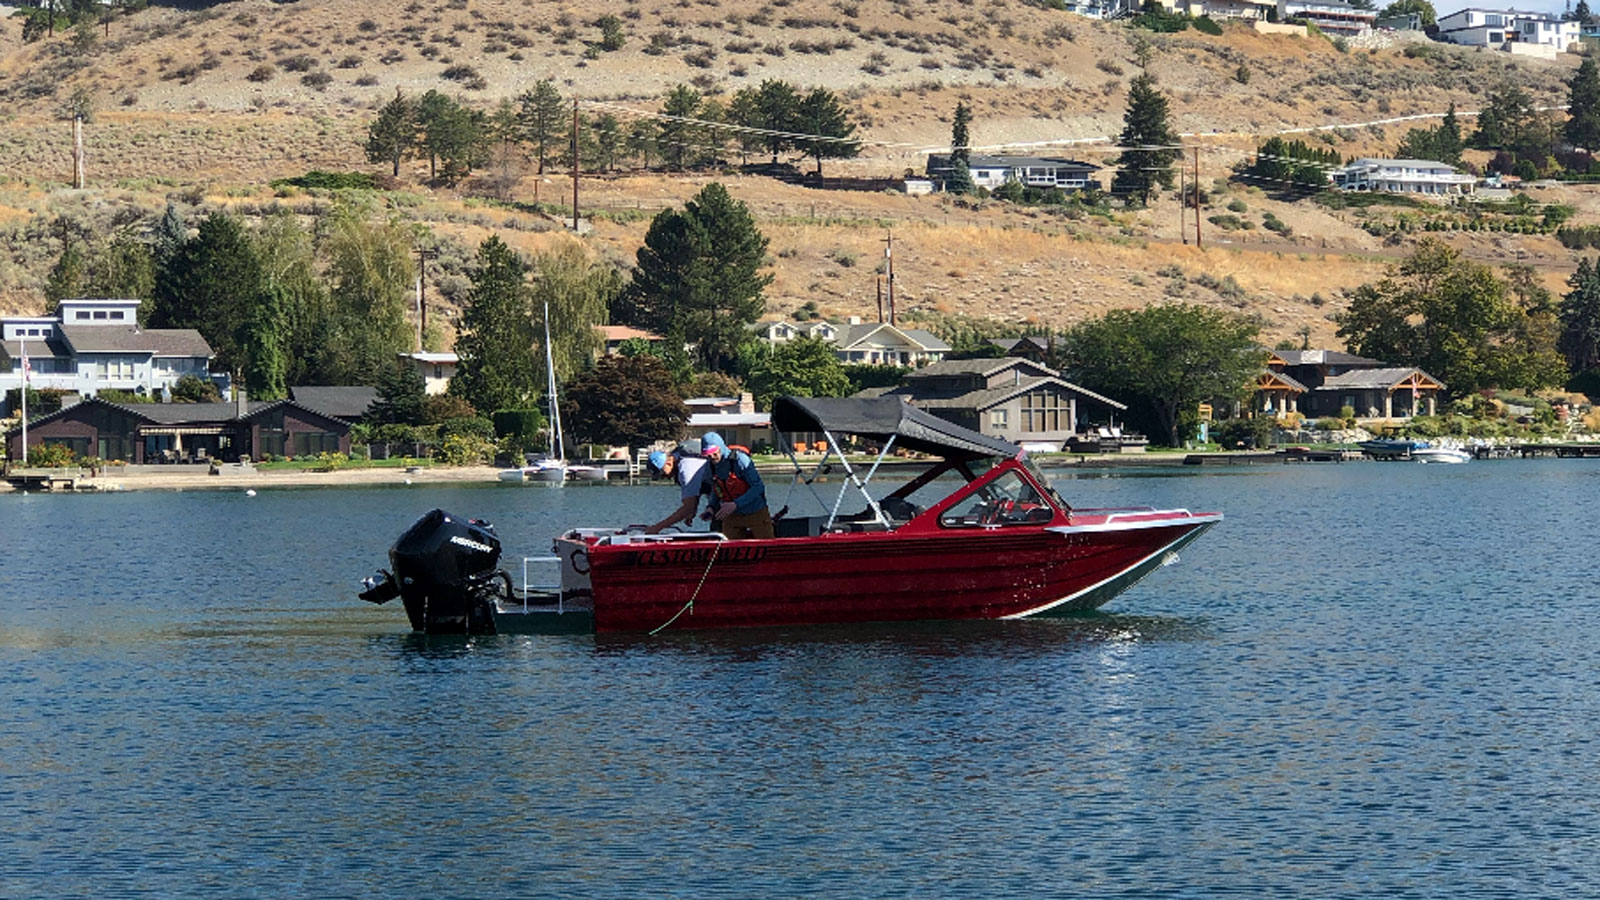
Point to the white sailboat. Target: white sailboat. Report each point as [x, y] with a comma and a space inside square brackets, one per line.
[552, 469]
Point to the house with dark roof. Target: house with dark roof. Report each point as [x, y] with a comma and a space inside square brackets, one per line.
[1029, 171]
[346, 402]
[145, 433]
[92, 345]
[1011, 398]
[1323, 382]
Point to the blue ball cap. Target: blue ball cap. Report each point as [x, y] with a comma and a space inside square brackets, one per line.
[712, 439]
[657, 460]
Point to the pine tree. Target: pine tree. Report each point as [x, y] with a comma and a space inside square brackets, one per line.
[542, 114]
[498, 368]
[960, 179]
[777, 105]
[820, 114]
[213, 283]
[170, 235]
[681, 133]
[401, 391]
[1447, 140]
[67, 277]
[1580, 319]
[608, 141]
[1148, 142]
[960, 139]
[699, 276]
[1583, 128]
[393, 134]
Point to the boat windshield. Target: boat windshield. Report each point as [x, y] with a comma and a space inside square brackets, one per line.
[1044, 482]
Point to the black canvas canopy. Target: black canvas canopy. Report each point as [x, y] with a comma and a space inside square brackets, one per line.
[883, 417]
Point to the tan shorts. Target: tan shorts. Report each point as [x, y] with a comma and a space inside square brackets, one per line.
[753, 525]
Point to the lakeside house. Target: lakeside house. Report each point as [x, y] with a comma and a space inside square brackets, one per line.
[614, 335]
[1011, 398]
[734, 418]
[1403, 176]
[436, 369]
[149, 433]
[857, 342]
[1319, 383]
[92, 345]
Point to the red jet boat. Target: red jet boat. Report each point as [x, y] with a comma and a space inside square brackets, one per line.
[1003, 544]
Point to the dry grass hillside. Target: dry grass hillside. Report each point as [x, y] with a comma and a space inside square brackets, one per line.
[207, 106]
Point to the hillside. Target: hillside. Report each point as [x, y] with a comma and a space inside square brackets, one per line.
[207, 106]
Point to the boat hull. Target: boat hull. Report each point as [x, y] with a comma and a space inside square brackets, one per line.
[877, 577]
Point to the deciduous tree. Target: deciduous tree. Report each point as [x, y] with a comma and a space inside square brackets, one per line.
[804, 367]
[1457, 321]
[578, 292]
[372, 274]
[626, 401]
[1164, 361]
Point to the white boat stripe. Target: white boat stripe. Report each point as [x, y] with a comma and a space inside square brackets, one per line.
[1186, 536]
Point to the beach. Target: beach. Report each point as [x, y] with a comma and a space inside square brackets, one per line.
[158, 478]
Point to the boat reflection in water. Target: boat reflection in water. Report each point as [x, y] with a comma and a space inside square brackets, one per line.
[1002, 545]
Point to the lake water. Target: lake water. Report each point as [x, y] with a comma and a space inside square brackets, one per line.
[1376, 680]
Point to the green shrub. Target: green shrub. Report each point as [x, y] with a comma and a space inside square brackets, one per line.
[1207, 25]
[518, 422]
[473, 426]
[50, 456]
[329, 181]
[1243, 434]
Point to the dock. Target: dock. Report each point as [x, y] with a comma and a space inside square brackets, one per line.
[1564, 451]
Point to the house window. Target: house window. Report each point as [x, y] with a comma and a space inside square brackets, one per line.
[99, 314]
[997, 418]
[116, 314]
[82, 314]
[311, 443]
[1042, 411]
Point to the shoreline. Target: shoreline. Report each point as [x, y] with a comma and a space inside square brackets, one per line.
[233, 478]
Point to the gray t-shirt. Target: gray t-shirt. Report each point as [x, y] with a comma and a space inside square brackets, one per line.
[691, 473]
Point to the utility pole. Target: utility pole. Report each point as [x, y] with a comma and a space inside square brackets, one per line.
[77, 150]
[1197, 199]
[1183, 198]
[888, 259]
[574, 165]
[880, 299]
[423, 255]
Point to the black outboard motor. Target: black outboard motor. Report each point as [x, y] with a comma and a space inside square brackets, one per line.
[445, 573]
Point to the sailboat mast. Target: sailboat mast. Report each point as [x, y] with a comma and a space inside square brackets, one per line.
[556, 442]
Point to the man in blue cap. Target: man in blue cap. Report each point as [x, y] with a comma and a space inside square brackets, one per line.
[684, 465]
[739, 499]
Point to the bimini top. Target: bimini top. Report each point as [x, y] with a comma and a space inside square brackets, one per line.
[882, 417]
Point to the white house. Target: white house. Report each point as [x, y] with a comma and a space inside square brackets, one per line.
[871, 343]
[1403, 176]
[1030, 171]
[1499, 29]
[1258, 10]
[96, 345]
[436, 369]
[1331, 16]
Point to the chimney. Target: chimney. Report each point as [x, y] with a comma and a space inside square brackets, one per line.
[747, 402]
[242, 405]
[854, 320]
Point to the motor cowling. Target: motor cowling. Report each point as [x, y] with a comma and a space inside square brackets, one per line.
[446, 573]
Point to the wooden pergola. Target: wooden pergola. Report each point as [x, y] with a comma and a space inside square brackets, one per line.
[1276, 393]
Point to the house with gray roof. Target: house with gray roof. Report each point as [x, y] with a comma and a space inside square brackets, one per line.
[92, 345]
[991, 172]
[862, 343]
[1012, 398]
[1323, 382]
